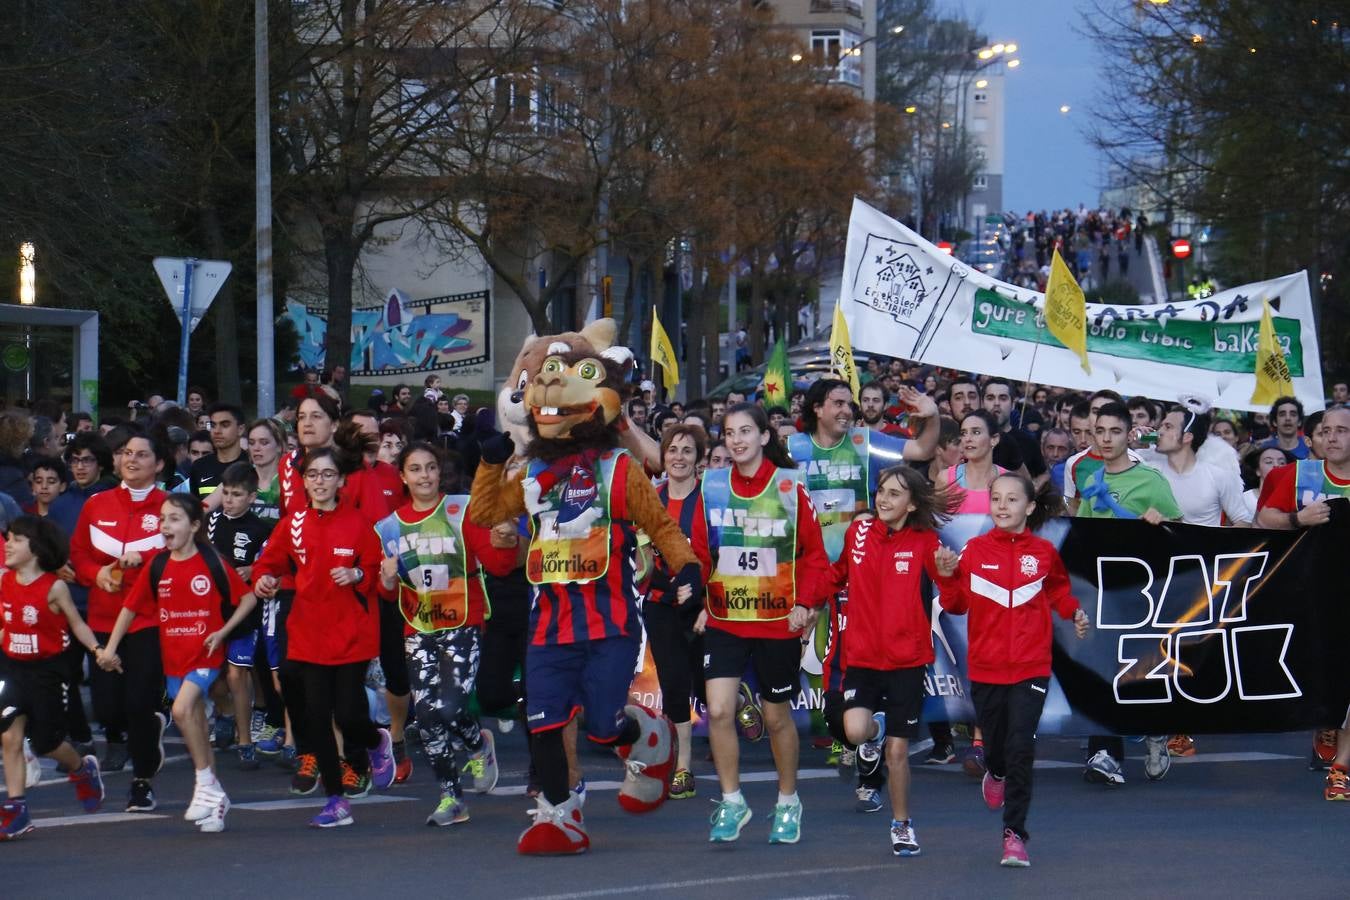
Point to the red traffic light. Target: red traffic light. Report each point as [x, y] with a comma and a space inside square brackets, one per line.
[1181, 248]
[946, 247]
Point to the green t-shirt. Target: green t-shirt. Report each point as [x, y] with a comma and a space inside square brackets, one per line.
[1136, 489]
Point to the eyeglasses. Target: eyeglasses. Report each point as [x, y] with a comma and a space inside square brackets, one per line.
[83, 460]
[321, 475]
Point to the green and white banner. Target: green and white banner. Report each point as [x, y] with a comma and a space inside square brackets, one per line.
[904, 297]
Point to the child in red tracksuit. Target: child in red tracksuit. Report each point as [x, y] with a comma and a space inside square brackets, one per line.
[332, 634]
[890, 637]
[1008, 580]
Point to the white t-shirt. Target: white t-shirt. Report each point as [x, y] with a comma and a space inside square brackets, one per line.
[1209, 491]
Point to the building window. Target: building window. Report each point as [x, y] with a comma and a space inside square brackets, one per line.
[981, 96]
[980, 182]
[840, 50]
[979, 125]
[982, 153]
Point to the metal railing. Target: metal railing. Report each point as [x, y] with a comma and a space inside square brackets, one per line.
[850, 7]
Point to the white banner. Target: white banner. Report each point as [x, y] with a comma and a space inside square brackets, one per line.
[904, 297]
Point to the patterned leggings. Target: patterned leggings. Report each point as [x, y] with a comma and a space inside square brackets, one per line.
[443, 667]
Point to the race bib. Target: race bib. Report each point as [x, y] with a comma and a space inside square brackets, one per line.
[744, 562]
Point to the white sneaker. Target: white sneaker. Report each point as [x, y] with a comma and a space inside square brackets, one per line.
[214, 821]
[1158, 761]
[32, 775]
[205, 798]
[1102, 768]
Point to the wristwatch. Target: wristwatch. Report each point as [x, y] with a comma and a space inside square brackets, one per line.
[1293, 520]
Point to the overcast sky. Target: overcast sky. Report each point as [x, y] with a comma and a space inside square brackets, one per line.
[1049, 163]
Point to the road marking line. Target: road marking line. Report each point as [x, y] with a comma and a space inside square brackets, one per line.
[316, 802]
[93, 819]
[643, 887]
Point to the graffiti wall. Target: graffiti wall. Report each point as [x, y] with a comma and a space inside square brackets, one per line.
[403, 340]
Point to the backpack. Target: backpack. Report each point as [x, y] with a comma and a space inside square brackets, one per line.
[219, 579]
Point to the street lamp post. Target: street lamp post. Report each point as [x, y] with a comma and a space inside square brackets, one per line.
[28, 297]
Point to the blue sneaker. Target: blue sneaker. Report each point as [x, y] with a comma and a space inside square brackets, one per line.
[14, 819]
[248, 757]
[870, 751]
[787, 824]
[271, 741]
[256, 723]
[869, 800]
[382, 762]
[727, 821]
[336, 813]
[88, 782]
[224, 732]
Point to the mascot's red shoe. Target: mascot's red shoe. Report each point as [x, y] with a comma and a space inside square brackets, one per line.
[557, 830]
[650, 761]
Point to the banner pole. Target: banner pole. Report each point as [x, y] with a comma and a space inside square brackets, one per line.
[1026, 388]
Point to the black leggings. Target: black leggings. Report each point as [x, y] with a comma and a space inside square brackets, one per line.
[77, 723]
[393, 660]
[319, 697]
[1008, 715]
[505, 637]
[678, 654]
[126, 701]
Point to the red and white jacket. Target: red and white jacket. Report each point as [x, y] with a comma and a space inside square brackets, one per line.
[328, 624]
[1008, 583]
[883, 571]
[111, 524]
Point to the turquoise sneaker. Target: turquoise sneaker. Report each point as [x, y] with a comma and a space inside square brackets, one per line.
[787, 824]
[727, 821]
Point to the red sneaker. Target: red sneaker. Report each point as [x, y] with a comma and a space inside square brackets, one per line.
[403, 770]
[1324, 746]
[557, 830]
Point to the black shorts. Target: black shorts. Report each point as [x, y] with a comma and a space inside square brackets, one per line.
[778, 661]
[36, 689]
[896, 692]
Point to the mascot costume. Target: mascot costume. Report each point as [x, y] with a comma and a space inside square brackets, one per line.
[586, 499]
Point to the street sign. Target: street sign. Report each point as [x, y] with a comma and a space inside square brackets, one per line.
[945, 247]
[207, 277]
[191, 285]
[1181, 248]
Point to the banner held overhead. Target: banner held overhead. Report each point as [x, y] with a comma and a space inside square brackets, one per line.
[904, 297]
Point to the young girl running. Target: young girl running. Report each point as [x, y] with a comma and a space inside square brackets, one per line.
[187, 593]
[890, 636]
[1009, 580]
[37, 619]
[434, 558]
[969, 482]
[769, 570]
[332, 632]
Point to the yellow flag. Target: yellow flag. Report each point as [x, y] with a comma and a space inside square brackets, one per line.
[1272, 369]
[1066, 310]
[841, 351]
[663, 353]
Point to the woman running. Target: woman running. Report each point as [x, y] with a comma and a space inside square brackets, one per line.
[676, 648]
[117, 532]
[188, 591]
[332, 631]
[769, 572]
